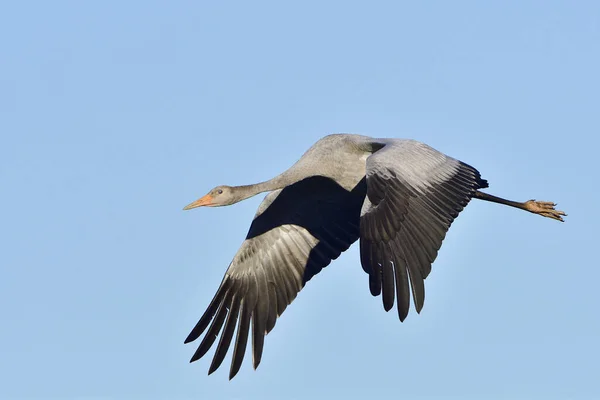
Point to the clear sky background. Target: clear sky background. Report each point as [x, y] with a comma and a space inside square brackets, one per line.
[114, 115]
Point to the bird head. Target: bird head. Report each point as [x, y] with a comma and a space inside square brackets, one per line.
[219, 196]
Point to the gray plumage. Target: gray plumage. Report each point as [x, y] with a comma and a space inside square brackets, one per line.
[399, 197]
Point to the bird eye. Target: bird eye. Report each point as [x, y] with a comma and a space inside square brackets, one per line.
[220, 191]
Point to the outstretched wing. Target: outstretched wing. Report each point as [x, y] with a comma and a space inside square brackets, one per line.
[297, 232]
[413, 194]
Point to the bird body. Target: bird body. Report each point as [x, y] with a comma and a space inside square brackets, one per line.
[340, 157]
[398, 196]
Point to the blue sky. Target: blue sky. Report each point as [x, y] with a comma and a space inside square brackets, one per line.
[114, 115]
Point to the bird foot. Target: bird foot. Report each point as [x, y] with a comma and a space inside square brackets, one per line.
[545, 209]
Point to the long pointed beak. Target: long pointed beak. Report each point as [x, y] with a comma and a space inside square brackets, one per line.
[202, 201]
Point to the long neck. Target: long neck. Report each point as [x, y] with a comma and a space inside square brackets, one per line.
[287, 178]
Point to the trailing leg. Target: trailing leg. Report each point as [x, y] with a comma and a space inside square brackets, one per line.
[543, 208]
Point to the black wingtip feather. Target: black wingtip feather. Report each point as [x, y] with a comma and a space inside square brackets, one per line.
[227, 334]
[215, 328]
[210, 312]
[387, 278]
[258, 340]
[241, 339]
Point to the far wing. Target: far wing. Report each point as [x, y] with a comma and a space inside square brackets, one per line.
[414, 193]
[296, 233]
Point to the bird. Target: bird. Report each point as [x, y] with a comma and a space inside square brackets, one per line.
[397, 197]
